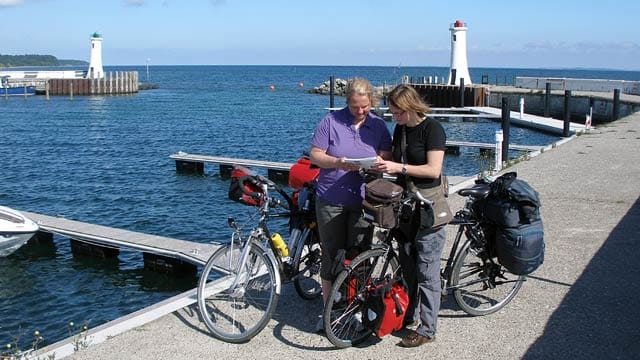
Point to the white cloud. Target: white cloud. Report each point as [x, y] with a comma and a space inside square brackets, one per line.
[136, 3]
[7, 3]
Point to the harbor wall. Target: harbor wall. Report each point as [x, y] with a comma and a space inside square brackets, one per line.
[600, 105]
[118, 82]
[598, 85]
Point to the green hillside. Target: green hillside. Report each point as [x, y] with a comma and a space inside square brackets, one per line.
[36, 60]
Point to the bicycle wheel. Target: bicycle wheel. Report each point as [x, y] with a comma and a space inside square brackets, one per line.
[482, 286]
[307, 280]
[236, 313]
[343, 310]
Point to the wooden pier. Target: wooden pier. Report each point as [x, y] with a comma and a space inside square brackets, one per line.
[161, 254]
[279, 171]
[193, 163]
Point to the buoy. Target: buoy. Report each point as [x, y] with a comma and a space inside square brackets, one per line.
[300, 84]
[271, 87]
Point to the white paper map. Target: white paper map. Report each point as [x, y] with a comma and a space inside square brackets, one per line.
[365, 163]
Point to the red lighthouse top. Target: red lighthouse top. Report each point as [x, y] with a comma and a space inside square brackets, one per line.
[458, 23]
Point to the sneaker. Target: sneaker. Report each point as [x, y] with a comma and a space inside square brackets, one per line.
[319, 329]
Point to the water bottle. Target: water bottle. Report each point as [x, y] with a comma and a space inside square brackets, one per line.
[279, 244]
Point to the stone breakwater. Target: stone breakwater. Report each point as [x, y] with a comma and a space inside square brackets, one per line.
[340, 86]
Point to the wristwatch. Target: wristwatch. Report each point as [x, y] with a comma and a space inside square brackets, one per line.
[404, 169]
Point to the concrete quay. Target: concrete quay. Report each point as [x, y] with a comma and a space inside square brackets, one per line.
[581, 304]
[599, 103]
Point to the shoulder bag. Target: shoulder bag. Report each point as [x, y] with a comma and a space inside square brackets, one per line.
[431, 216]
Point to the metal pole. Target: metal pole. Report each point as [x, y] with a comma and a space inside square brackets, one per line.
[547, 100]
[567, 113]
[331, 92]
[506, 123]
[616, 105]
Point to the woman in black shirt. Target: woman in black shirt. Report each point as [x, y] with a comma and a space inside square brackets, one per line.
[419, 257]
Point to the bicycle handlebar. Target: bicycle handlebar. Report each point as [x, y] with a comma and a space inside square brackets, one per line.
[421, 197]
[265, 184]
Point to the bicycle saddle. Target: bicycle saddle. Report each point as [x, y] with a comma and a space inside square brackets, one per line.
[476, 191]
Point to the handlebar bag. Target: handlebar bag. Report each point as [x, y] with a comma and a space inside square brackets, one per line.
[382, 202]
[243, 187]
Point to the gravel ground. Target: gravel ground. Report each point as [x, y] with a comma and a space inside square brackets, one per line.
[579, 304]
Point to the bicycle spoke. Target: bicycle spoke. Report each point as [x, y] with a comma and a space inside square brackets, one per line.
[474, 283]
[237, 307]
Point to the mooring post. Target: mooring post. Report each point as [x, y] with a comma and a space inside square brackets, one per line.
[46, 89]
[331, 92]
[506, 123]
[498, 152]
[71, 90]
[25, 91]
[616, 105]
[384, 93]
[547, 100]
[567, 113]
[592, 103]
[461, 92]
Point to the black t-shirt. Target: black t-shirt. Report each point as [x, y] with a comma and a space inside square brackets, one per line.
[426, 136]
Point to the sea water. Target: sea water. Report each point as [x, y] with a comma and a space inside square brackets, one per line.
[105, 160]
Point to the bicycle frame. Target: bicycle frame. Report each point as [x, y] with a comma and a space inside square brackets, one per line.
[464, 226]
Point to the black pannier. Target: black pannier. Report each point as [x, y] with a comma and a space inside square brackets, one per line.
[512, 207]
[520, 249]
[510, 202]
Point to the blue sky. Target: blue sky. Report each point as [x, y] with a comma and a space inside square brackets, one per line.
[538, 34]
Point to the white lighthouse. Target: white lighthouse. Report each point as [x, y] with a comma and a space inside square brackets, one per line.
[95, 61]
[459, 69]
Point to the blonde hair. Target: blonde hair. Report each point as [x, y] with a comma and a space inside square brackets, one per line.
[406, 98]
[361, 87]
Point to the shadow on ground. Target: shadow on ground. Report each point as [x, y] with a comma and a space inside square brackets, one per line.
[598, 319]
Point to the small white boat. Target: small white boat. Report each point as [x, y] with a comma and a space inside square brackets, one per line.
[15, 230]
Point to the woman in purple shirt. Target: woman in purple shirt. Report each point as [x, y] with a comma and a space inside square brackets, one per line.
[352, 132]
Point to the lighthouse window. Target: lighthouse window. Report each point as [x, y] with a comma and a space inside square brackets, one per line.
[454, 38]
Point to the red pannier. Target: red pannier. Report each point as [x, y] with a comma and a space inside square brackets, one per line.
[302, 172]
[384, 307]
[243, 187]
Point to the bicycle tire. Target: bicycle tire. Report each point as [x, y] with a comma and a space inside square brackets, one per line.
[237, 315]
[482, 287]
[307, 281]
[343, 311]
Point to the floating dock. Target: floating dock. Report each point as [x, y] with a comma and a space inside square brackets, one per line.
[546, 124]
[162, 254]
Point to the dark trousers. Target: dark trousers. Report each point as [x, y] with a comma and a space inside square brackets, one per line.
[420, 261]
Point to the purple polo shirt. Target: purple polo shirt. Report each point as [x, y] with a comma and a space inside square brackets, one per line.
[338, 137]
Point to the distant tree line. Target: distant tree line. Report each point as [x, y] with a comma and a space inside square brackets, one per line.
[36, 60]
